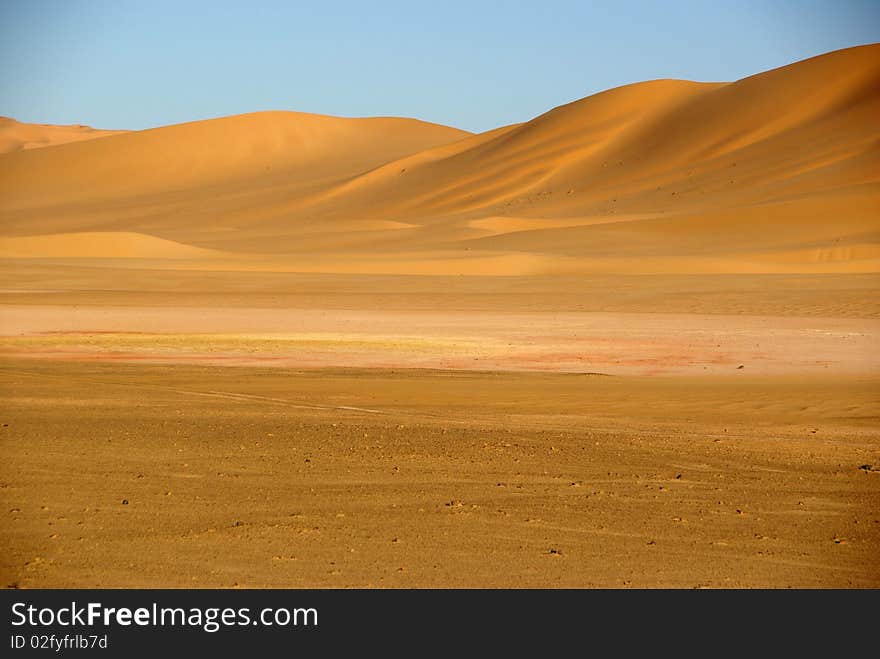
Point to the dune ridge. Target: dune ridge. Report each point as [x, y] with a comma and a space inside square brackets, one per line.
[777, 172]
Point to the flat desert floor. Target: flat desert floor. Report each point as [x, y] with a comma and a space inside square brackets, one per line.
[172, 442]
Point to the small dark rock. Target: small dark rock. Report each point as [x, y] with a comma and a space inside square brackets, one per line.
[740, 366]
[125, 502]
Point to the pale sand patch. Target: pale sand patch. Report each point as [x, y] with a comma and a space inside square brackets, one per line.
[615, 343]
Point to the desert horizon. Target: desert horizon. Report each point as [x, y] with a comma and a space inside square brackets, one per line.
[633, 341]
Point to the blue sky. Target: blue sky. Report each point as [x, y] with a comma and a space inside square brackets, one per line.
[475, 65]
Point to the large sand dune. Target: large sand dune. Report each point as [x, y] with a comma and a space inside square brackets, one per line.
[774, 173]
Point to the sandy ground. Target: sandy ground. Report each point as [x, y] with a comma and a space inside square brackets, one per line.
[123, 475]
[609, 343]
[252, 452]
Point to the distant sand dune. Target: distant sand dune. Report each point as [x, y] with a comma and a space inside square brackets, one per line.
[17, 136]
[257, 150]
[778, 172]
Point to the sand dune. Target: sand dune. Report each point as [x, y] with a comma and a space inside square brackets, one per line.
[773, 173]
[254, 150]
[18, 136]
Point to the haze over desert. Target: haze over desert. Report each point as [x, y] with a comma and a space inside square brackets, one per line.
[631, 342]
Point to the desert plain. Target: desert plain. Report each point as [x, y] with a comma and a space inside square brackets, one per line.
[633, 342]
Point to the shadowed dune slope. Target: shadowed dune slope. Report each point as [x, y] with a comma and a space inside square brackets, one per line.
[776, 172]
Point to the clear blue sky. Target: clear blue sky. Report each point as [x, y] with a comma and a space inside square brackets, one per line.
[476, 65]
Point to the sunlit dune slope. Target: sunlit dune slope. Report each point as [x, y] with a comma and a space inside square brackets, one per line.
[776, 172]
[18, 136]
[257, 150]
